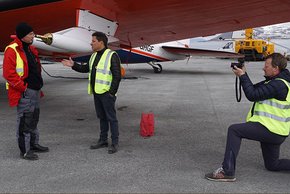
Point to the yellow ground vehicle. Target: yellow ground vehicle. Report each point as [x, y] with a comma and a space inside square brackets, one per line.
[253, 49]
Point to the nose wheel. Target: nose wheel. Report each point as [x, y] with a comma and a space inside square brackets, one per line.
[157, 68]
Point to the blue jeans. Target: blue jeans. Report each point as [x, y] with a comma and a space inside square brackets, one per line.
[270, 145]
[106, 112]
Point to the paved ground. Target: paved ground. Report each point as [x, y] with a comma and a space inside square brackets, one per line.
[193, 105]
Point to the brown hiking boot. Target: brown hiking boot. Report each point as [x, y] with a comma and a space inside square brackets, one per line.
[220, 176]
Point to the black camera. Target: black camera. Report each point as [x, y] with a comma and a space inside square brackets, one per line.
[239, 65]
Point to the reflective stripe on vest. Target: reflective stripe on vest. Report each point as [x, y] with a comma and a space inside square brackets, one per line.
[273, 114]
[103, 77]
[19, 62]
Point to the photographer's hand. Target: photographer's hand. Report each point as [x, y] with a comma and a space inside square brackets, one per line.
[239, 71]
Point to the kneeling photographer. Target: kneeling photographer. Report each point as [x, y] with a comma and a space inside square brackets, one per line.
[267, 121]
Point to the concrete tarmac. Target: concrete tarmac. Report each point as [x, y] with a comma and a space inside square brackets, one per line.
[194, 103]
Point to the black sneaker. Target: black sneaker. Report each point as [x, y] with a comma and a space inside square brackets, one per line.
[113, 148]
[100, 144]
[29, 155]
[219, 175]
[38, 148]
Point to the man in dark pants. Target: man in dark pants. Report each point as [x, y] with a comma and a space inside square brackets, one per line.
[22, 70]
[268, 121]
[104, 69]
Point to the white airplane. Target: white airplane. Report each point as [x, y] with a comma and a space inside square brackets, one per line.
[169, 51]
[130, 23]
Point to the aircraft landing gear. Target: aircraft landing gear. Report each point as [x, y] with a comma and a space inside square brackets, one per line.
[157, 68]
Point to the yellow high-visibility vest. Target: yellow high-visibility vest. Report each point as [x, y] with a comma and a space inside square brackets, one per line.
[273, 114]
[19, 62]
[104, 76]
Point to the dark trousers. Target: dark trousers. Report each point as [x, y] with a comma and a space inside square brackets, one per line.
[106, 112]
[27, 120]
[270, 144]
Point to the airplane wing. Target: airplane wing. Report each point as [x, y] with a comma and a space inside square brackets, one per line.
[202, 52]
[135, 23]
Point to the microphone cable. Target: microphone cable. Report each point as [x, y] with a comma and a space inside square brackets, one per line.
[238, 88]
[63, 77]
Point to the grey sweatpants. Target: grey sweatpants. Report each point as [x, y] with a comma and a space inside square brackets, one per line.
[27, 119]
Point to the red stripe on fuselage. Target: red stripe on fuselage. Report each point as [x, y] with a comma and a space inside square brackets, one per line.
[146, 54]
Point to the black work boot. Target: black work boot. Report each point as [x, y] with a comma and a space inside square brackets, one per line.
[113, 148]
[29, 155]
[100, 144]
[39, 148]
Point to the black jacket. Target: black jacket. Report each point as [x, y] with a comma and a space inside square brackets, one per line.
[260, 91]
[115, 69]
[34, 79]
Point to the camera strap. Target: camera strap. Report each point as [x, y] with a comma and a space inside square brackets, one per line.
[238, 90]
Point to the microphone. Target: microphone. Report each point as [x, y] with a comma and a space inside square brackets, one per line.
[46, 38]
